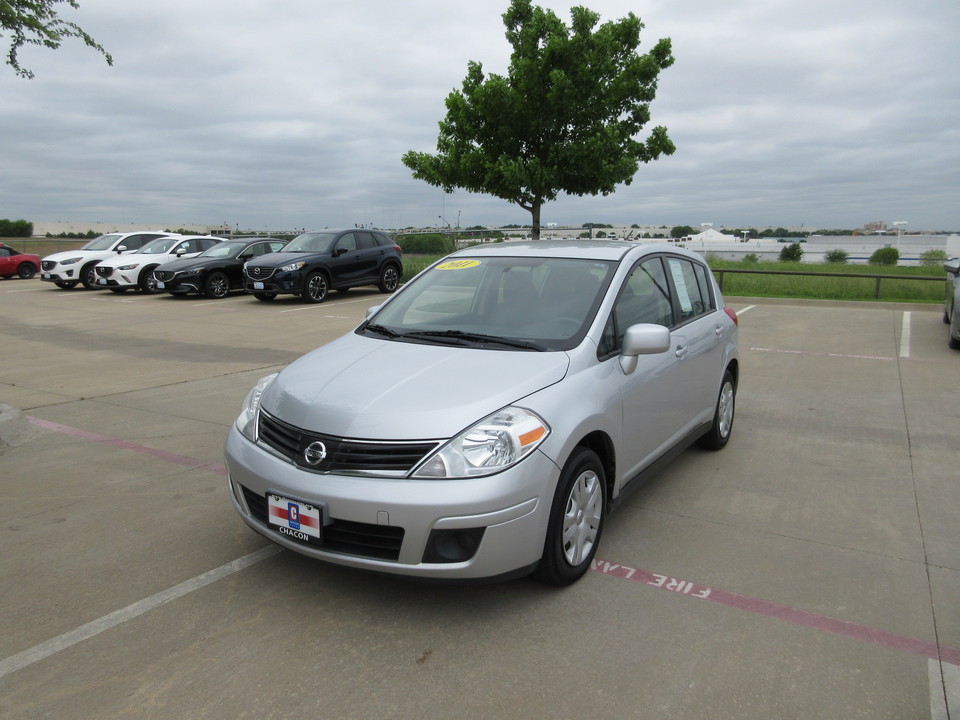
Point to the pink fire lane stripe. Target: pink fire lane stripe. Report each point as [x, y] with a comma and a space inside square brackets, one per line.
[126, 445]
[823, 623]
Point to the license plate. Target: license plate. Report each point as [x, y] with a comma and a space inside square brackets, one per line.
[160, 285]
[297, 520]
[102, 281]
[257, 285]
[46, 276]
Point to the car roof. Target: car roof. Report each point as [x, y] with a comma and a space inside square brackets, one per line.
[583, 248]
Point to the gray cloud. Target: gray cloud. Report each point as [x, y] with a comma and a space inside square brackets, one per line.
[788, 112]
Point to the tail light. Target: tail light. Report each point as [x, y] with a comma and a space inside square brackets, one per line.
[733, 315]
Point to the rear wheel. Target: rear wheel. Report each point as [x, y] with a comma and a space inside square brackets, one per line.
[719, 433]
[576, 520]
[217, 285]
[315, 288]
[26, 270]
[389, 278]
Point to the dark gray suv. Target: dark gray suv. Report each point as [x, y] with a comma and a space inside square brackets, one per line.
[319, 261]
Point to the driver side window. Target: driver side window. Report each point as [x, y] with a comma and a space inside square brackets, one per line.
[645, 298]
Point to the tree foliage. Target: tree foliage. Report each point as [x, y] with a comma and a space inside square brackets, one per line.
[887, 256]
[791, 253]
[564, 119]
[36, 22]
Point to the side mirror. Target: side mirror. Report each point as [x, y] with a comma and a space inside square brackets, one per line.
[121, 249]
[339, 251]
[642, 339]
[181, 251]
[371, 311]
[952, 266]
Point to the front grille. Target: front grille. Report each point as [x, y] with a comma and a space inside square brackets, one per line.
[48, 264]
[382, 542]
[258, 273]
[104, 271]
[341, 455]
[163, 275]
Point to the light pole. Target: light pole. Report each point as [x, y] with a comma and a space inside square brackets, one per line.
[899, 225]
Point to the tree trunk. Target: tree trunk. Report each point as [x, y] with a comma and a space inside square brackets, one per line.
[535, 220]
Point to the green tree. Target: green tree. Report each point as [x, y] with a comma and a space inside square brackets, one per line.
[564, 119]
[36, 22]
[933, 258]
[680, 231]
[791, 253]
[836, 256]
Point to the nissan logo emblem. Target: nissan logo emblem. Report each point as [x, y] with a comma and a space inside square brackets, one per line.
[315, 453]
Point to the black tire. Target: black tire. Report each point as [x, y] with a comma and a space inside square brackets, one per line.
[27, 270]
[217, 285]
[148, 283]
[576, 520]
[265, 296]
[718, 435]
[88, 276]
[389, 278]
[65, 284]
[315, 288]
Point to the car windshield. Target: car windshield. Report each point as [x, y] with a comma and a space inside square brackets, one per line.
[104, 242]
[222, 250]
[159, 246]
[311, 242]
[497, 302]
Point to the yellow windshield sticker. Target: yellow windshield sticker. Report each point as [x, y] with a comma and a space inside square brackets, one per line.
[458, 264]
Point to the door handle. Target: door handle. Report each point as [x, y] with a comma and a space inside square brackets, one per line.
[681, 351]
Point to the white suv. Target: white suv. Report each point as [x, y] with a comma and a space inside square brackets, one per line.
[135, 269]
[66, 269]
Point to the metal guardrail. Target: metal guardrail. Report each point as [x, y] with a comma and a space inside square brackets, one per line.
[720, 272]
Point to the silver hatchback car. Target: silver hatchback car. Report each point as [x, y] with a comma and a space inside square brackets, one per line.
[483, 421]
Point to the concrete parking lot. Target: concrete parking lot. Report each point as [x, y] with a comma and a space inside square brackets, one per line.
[809, 570]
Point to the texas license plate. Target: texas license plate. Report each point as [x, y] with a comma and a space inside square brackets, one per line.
[102, 281]
[160, 284]
[295, 519]
[257, 285]
[46, 276]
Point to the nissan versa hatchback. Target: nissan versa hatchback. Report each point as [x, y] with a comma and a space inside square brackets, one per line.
[314, 263]
[484, 420]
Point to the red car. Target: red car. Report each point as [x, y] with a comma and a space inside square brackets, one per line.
[14, 262]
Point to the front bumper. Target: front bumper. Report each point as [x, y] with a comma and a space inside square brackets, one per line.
[282, 283]
[61, 274]
[507, 511]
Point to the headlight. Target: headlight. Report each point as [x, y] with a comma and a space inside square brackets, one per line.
[493, 444]
[247, 422]
[70, 261]
[292, 266]
[129, 267]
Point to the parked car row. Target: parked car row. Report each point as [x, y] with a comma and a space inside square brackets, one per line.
[310, 265]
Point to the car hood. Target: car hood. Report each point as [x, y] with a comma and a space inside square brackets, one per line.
[369, 388]
[275, 260]
[67, 254]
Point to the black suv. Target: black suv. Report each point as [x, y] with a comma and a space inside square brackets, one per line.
[314, 263]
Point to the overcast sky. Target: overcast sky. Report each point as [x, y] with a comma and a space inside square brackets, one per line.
[271, 115]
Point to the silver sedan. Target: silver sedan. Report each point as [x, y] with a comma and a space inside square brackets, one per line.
[484, 420]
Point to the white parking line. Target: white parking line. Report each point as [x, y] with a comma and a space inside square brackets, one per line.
[95, 627]
[905, 336]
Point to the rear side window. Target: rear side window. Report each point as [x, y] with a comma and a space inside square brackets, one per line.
[693, 290]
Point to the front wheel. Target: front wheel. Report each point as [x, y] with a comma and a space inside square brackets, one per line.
[389, 279]
[217, 285]
[315, 288]
[576, 520]
[148, 283]
[719, 433]
[88, 276]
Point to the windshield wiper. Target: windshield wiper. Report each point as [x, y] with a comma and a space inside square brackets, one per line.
[459, 337]
[381, 330]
